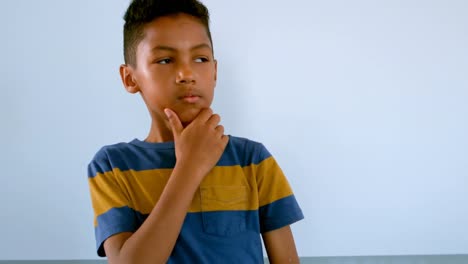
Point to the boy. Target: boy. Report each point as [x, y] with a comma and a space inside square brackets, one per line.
[187, 193]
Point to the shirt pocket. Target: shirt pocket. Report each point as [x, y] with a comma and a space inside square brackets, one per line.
[224, 209]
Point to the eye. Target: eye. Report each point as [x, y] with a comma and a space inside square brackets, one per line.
[201, 59]
[164, 61]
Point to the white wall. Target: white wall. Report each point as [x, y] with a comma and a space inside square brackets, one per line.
[363, 103]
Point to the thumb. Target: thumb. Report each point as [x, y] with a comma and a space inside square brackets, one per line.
[174, 122]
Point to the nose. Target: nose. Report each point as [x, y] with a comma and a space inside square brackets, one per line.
[185, 74]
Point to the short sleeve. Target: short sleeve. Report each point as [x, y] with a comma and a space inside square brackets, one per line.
[112, 211]
[278, 205]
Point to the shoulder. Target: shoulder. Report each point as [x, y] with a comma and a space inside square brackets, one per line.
[108, 152]
[103, 159]
[249, 151]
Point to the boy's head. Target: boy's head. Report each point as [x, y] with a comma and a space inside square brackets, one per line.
[141, 12]
[169, 57]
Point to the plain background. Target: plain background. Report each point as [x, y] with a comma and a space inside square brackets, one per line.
[363, 103]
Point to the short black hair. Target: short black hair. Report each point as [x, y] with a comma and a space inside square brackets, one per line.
[142, 12]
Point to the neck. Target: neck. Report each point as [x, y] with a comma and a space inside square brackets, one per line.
[160, 131]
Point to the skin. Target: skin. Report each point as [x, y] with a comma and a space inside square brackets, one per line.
[175, 74]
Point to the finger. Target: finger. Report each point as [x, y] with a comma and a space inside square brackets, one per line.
[204, 115]
[219, 130]
[174, 122]
[214, 120]
[225, 139]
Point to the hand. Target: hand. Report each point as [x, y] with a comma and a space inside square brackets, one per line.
[200, 145]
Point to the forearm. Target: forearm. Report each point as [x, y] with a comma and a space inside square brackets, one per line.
[280, 246]
[154, 241]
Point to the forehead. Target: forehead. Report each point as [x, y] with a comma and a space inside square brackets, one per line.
[179, 31]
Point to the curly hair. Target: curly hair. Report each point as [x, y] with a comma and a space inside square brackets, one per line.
[142, 12]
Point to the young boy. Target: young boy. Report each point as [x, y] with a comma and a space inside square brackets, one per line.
[187, 193]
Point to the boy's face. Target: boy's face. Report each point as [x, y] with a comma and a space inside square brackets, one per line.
[175, 67]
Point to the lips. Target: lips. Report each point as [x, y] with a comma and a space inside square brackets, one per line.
[190, 98]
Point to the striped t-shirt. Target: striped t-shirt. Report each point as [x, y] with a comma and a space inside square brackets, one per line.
[244, 195]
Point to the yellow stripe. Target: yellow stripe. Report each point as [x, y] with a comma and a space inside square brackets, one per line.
[224, 188]
[121, 188]
[272, 184]
[103, 193]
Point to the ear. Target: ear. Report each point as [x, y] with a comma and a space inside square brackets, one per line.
[128, 78]
[215, 70]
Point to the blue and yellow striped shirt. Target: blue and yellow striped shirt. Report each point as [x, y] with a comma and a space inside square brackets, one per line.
[244, 195]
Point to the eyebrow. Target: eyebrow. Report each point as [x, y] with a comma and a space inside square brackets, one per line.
[168, 48]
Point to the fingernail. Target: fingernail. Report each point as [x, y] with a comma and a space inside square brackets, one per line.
[167, 112]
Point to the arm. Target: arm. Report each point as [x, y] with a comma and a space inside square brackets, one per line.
[280, 246]
[198, 148]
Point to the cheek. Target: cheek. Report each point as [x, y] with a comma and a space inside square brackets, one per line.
[210, 80]
[213, 76]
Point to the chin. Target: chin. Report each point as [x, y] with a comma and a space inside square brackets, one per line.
[186, 117]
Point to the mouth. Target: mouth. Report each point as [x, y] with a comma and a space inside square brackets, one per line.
[190, 98]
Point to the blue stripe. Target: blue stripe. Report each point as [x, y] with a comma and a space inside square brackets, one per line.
[99, 164]
[219, 237]
[280, 213]
[205, 237]
[139, 155]
[114, 221]
[243, 152]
